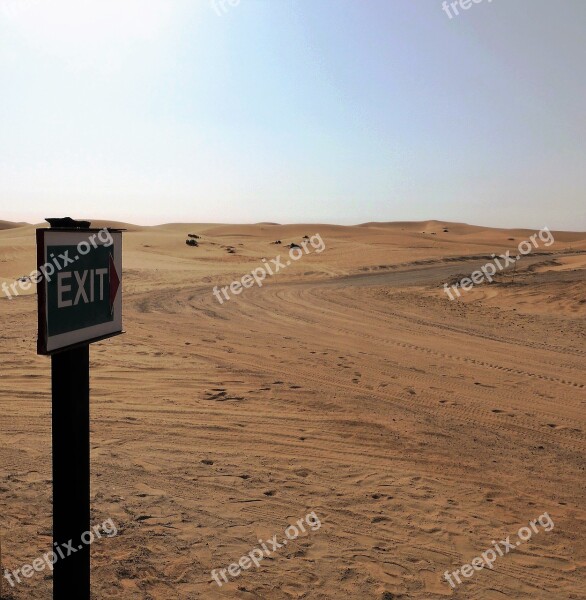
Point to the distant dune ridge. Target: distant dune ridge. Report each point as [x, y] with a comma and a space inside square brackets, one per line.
[11, 225]
[410, 226]
[228, 250]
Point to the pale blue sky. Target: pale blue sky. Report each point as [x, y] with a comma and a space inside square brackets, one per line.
[341, 111]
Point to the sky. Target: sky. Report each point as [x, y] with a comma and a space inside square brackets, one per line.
[307, 111]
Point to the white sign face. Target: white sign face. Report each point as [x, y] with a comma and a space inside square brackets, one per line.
[79, 286]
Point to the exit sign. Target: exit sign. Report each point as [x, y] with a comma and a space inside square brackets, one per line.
[79, 287]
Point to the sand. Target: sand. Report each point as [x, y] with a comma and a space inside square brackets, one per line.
[417, 429]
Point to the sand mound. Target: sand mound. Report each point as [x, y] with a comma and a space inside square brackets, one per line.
[11, 225]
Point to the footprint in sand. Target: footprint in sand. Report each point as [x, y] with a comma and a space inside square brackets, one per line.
[221, 395]
[302, 472]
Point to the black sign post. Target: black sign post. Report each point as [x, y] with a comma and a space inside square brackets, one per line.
[70, 371]
[80, 302]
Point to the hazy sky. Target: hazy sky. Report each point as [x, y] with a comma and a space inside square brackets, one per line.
[342, 111]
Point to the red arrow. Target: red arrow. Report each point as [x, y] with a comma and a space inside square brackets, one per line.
[114, 282]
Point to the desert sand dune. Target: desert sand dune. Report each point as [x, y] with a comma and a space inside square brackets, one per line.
[418, 429]
[10, 225]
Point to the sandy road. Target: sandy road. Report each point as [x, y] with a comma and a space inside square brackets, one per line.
[440, 272]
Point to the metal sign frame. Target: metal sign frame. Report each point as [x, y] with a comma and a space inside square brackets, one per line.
[62, 237]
